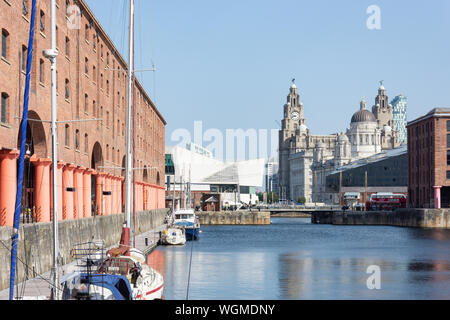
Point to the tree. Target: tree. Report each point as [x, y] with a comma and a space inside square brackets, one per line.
[260, 196]
[273, 197]
[301, 200]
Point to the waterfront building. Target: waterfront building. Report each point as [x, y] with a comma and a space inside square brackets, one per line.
[271, 176]
[399, 104]
[305, 159]
[429, 160]
[235, 182]
[91, 84]
[387, 172]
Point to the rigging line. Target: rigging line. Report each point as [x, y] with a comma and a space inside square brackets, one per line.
[26, 266]
[189, 274]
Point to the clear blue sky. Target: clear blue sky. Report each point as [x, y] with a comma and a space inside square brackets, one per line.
[229, 63]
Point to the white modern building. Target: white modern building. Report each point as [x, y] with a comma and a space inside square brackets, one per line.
[236, 182]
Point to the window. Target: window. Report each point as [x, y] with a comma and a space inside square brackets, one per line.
[107, 119]
[5, 43]
[86, 65]
[107, 87]
[66, 135]
[42, 21]
[448, 175]
[94, 108]
[67, 47]
[24, 58]
[4, 107]
[86, 143]
[86, 33]
[448, 157]
[94, 74]
[77, 139]
[107, 58]
[86, 103]
[448, 140]
[448, 126]
[67, 91]
[41, 71]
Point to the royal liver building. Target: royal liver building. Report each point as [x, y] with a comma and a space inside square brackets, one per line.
[305, 159]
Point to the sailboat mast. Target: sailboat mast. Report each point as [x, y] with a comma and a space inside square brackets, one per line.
[54, 154]
[128, 162]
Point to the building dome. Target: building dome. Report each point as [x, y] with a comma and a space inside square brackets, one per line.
[363, 115]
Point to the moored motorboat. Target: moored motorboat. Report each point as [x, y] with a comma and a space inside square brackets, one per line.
[187, 219]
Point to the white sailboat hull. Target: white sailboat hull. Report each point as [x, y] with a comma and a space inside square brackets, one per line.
[151, 287]
[174, 236]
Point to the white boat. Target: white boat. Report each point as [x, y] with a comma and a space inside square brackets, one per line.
[174, 236]
[145, 282]
[187, 219]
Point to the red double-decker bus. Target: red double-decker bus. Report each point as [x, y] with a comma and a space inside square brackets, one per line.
[386, 202]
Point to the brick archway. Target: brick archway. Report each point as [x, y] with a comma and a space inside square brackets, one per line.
[36, 142]
[97, 157]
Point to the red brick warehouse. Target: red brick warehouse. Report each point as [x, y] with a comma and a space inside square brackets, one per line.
[429, 160]
[91, 84]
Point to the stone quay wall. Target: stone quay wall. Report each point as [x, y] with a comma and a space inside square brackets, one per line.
[234, 218]
[35, 247]
[415, 218]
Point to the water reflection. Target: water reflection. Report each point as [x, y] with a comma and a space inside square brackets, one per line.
[292, 259]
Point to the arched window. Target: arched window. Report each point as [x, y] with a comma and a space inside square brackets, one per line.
[86, 143]
[67, 90]
[5, 44]
[67, 47]
[86, 97]
[41, 71]
[66, 135]
[77, 139]
[24, 58]
[4, 108]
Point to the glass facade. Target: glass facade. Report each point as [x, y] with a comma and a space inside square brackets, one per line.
[399, 116]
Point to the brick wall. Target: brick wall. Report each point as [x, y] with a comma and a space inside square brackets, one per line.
[106, 92]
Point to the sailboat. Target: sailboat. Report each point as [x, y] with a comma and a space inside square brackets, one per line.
[173, 235]
[125, 260]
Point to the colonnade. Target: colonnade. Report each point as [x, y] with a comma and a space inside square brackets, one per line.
[76, 199]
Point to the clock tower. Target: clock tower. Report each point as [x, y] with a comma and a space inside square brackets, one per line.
[293, 110]
[292, 128]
